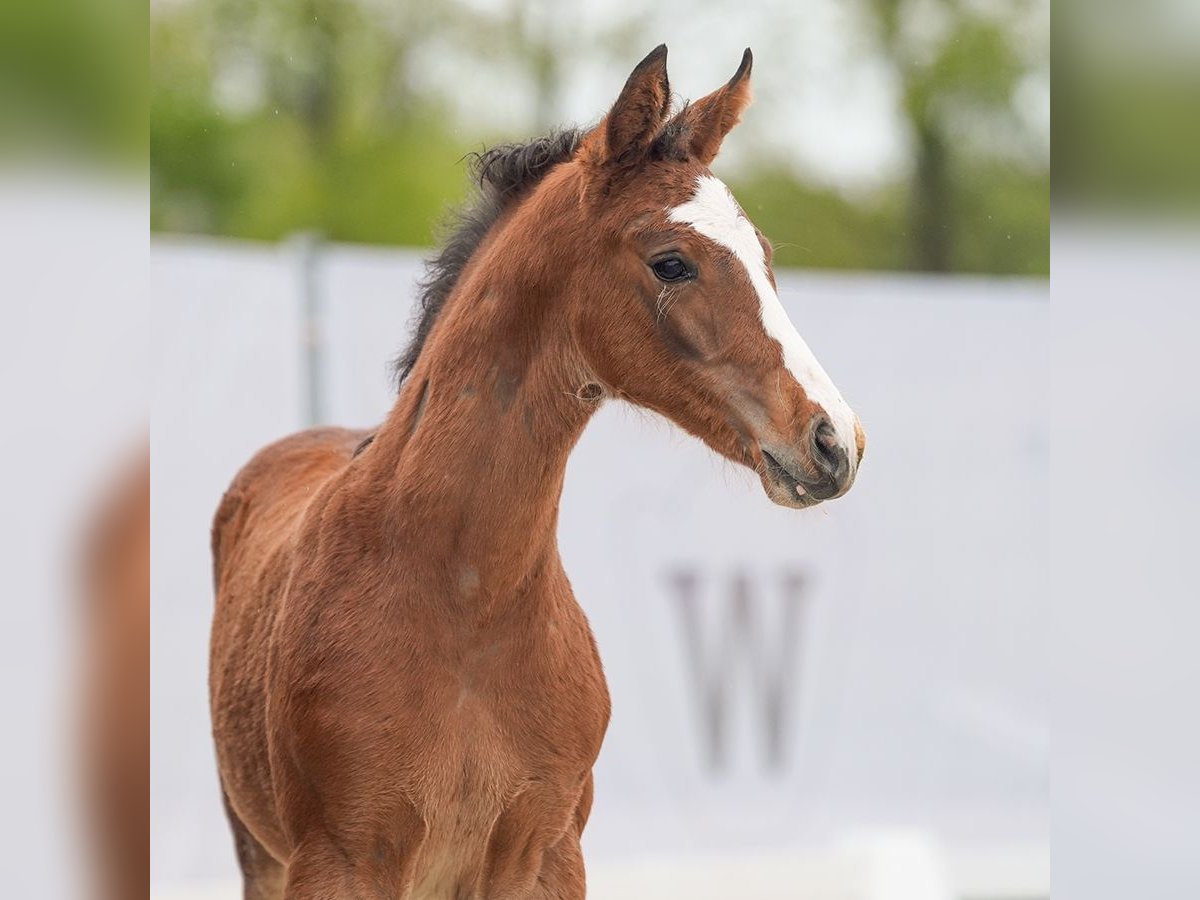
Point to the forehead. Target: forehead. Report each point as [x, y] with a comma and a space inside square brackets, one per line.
[685, 196]
[646, 196]
[712, 212]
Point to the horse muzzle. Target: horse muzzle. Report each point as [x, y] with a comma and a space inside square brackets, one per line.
[817, 468]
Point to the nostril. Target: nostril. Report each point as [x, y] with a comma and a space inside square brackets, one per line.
[826, 444]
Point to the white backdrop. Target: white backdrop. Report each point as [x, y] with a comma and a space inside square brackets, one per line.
[901, 633]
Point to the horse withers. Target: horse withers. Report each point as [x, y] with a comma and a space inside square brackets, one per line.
[407, 700]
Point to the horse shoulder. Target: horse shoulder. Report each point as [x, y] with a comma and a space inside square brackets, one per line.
[274, 487]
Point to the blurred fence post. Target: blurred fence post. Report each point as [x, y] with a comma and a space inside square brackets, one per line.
[305, 248]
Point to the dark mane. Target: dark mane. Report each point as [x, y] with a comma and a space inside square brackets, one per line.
[501, 175]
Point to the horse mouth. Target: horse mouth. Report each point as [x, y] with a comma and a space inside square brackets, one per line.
[783, 486]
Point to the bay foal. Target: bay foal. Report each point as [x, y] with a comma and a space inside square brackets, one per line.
[406, 698]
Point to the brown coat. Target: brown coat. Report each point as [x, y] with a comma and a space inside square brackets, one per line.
[407, 699]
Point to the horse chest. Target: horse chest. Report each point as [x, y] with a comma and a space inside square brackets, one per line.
[487, 728]
[521, 713]
[507, 764]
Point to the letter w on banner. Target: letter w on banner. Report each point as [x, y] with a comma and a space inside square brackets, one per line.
[741, 653]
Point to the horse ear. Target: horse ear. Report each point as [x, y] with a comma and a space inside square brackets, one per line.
[641, 109]
[709, 119]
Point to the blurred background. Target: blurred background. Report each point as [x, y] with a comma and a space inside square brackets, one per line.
[844, 704]
[852, 703]
[886, 134]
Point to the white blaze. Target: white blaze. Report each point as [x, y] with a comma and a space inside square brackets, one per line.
[714, 213]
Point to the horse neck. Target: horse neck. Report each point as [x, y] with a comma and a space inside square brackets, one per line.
[471, 460]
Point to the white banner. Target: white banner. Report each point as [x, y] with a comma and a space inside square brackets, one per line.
[781, 680]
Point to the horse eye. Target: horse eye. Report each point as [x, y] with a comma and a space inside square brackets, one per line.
[671, 269]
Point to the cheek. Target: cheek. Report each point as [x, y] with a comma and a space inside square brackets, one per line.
[614, 333]
[689, 322]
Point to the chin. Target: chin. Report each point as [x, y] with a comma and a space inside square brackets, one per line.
[785, 494]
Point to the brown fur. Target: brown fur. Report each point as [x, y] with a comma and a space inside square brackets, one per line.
[706, 122]
[115, 710]
[407, 699]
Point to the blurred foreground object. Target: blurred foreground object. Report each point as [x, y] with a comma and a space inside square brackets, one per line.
[115, 677]
[74, 376]
[73, 211]
[74, 373]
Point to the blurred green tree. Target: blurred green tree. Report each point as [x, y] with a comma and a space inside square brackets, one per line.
[959, 68]
[273, 116]
[72, 81]
[269, 116]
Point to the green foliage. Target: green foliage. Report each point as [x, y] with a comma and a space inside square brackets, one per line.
[1129, 140]
[323, 127]
[819, 228]
[260, 178]
[1126, 132]
[974, 204]
[333, 142]
[73, 79]
[1000, 217]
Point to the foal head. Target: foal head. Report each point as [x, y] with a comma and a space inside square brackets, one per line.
[674, 304]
